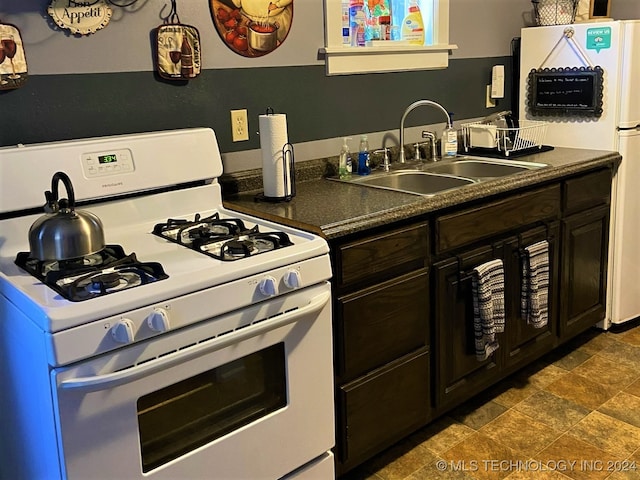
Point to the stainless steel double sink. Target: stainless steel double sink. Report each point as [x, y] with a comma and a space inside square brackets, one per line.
[437, 177]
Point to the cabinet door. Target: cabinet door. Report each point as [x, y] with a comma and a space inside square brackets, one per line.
[459, 375]
[382, 407]
[524, 342]
[582, 296]
[377, 325]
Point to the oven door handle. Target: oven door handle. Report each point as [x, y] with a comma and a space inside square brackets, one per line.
[109, 380]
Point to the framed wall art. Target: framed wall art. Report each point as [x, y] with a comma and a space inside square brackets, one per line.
[252, 28]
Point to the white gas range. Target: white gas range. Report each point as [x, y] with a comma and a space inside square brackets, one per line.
[196, 344]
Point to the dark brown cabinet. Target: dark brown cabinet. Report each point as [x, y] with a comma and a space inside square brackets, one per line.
[458, 374]
[585, 235]
[381, 332]
[524, 342]
[527, 219]
[403, 305]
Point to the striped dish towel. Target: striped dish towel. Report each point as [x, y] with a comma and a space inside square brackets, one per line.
[487, 288]
[534, 298]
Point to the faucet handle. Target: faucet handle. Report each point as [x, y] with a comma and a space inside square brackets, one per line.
[386, 163]
[416, 152]
[432, 138]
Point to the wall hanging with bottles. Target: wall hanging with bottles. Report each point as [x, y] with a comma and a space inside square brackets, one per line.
[177, 48]
[13, 63]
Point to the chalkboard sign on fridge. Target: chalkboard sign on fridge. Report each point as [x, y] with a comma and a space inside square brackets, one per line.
[566, 91]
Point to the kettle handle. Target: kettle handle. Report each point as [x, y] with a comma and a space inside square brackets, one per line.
[64, 178]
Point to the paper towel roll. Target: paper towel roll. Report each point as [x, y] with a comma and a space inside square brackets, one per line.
[273, 138]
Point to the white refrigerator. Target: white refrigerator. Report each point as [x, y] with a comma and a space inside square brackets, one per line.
[613, 46]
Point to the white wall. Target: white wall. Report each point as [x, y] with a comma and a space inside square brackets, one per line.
[125, 44]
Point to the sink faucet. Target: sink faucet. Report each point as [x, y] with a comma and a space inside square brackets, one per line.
[408, 110]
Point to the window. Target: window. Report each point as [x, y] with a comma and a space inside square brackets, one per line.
[389, 56]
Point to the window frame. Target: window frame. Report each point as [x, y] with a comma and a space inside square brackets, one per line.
[385, 56]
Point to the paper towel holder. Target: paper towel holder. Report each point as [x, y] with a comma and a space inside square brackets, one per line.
[289, 177]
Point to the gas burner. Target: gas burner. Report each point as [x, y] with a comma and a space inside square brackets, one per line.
[107, 271]
[90, 285]
[186, 232]
[224, 239]
[72, 264]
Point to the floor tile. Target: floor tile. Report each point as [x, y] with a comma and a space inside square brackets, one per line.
[444, 471]
[517, 389]
[441, 435]
[624, 353]
[542, 374]
[607, 433]
[400, 461]
[482, 452]
[520, 432]
[581, 390]
[634, 388]
[567, 358]
[476, 415]
[630, 336]
[623, 406]
[574, 457]
[556, 412]
[535, 474]
[597, 342]
[607, 372]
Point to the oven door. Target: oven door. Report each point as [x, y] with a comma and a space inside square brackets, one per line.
[245, 395]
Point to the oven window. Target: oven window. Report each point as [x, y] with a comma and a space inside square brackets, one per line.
[186, 415]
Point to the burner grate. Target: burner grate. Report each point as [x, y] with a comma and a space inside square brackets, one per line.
[223, 239]
[107, 271]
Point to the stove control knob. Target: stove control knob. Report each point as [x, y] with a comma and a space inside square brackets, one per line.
[292, 279]
[122, 332]
[268, 286]
[158, 320]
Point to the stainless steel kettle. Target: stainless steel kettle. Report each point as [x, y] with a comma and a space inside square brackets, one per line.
[64, 233]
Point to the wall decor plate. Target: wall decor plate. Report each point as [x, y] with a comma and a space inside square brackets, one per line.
[178, 51]
[13, 63]
[80, 17]
[252, 28]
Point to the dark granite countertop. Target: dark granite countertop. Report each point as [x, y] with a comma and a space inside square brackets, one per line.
[334, 209]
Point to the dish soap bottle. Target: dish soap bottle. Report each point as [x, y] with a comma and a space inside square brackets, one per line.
[363, 156]
[345, 166]
[449, 139]
[412, 25]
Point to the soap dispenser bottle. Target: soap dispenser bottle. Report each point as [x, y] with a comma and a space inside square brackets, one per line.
[345, 167]
[363, 156]
[449, 139]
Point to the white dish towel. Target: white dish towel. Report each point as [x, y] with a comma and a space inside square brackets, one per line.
[534, 299]
[487, 287]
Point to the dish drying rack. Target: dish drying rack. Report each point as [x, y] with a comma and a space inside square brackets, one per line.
[528, 135]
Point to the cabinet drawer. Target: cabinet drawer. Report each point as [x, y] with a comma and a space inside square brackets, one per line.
[380, 324]
[383, 256]
[381, 408]
[489, 219]
[587, 191]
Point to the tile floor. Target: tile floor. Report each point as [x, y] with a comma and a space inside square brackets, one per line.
[574, 414]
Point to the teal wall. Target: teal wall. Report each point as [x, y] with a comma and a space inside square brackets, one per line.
[67, 106]
[104, 83]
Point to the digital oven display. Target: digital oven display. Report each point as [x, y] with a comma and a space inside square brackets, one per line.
[110, 158]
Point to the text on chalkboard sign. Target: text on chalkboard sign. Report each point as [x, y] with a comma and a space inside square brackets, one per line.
[566, 91]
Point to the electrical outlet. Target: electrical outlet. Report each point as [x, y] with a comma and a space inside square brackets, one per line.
[490, 102]
[239, 125]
